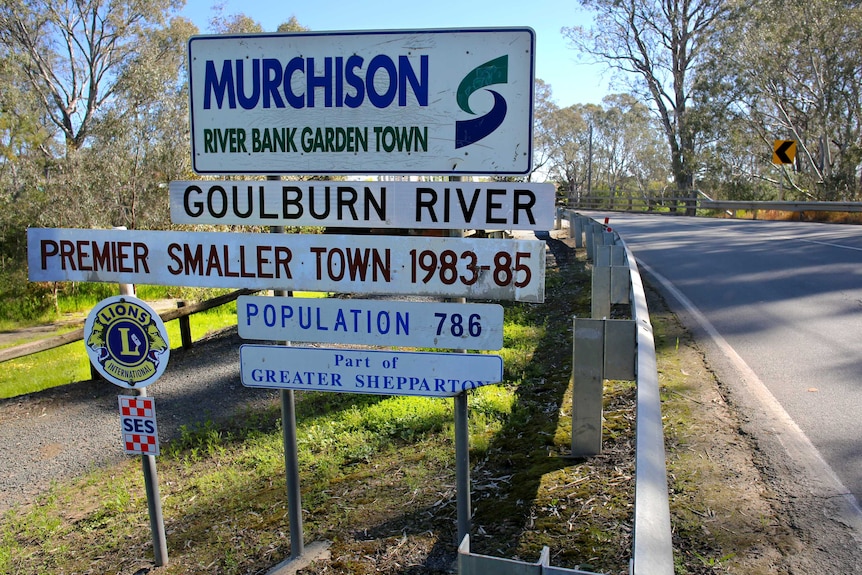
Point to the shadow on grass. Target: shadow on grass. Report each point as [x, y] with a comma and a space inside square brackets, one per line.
[507, 475]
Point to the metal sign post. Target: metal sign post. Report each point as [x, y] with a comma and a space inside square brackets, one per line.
[154, 504]
[291, 455]
[128, 345]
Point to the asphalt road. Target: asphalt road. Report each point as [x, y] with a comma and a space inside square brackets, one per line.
[785, 298]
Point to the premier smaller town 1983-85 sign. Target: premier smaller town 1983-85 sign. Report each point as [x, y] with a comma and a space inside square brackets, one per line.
[450, 267]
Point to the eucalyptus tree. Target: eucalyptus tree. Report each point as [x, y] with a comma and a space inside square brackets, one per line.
[73, 52]
[543, 109]
[27, 147]
[626, 148]
[657, 45]
[140, 142]
[568, 148]
[799, 66]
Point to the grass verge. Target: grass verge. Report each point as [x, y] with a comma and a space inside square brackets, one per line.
[377, 475]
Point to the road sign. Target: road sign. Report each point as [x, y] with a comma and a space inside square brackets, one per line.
[450, 267]
[126, 341]
[429, 205]
[138, 423]
[397, 101]
[783, 151]
[367, 371]
[371, 322]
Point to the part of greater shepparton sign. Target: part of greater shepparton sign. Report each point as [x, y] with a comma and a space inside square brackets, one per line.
[483, 268]
[408, 102]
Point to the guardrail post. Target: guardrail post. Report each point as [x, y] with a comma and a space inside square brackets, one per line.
[602, 349]
[578, 233]
[587, 366]
[621, 284]
[600, 300]
[620, 349]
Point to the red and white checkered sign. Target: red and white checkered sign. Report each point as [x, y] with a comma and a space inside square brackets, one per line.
[137, 406]
[138, 423]
[143, 444]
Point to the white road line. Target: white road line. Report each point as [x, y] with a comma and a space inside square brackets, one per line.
[830, 244]
[792, 438]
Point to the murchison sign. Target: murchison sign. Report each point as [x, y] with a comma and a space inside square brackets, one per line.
[418, 102]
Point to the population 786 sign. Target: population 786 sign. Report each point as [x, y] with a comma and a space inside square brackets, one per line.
[371, 322]
[451, 267]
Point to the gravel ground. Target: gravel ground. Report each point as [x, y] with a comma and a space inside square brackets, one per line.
[66, 431]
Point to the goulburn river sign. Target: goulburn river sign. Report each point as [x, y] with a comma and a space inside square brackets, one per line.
[428, 205]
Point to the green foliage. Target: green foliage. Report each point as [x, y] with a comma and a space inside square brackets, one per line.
[23, 303]
[70, 363]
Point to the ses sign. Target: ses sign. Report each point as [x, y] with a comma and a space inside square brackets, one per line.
[367, 371]
[450, 267]
[138, 422]
[423, 101]
[371, 322]
[429, 205]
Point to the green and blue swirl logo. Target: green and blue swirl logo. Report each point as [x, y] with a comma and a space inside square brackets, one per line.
[493, 72]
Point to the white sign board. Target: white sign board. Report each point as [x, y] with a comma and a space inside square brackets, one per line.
[367, 371]
[138, 424]
[397, 101]
[429, 205]
[371, 322]
[450, 267]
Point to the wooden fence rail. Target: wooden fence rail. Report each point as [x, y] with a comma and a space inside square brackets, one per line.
[181, 313]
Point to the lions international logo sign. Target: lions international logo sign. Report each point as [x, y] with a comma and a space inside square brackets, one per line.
[127, 341]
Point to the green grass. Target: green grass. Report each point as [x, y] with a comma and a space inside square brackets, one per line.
[70, 363]
[222, 487]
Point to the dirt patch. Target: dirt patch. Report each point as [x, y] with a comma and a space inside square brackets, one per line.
[723, 516]
[736, 504]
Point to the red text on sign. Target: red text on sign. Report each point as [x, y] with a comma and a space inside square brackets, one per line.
[93, 256]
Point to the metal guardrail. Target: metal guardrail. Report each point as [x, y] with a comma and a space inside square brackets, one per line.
[652, 549]
[641, 203]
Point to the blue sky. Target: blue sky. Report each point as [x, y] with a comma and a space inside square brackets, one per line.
[556, 63]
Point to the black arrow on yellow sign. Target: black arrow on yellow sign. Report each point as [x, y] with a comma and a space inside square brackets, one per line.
[783, 151]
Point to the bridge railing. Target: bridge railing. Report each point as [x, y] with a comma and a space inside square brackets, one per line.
[641, 203]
